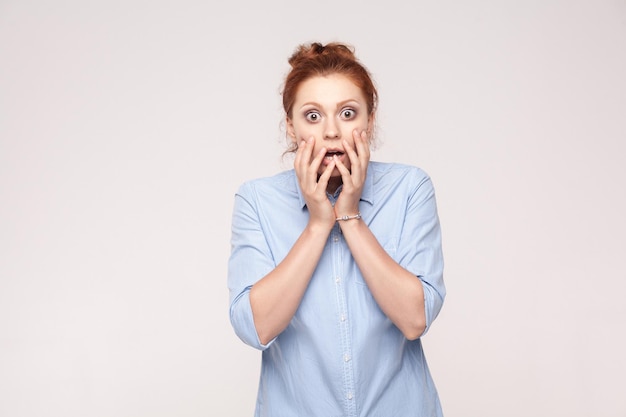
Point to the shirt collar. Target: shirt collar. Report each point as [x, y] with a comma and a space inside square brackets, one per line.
[368, 188]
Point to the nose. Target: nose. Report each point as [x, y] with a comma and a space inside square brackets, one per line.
[331, 130]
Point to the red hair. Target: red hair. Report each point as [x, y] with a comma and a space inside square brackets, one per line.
[315, 60]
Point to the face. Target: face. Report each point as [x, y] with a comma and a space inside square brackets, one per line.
[329, 109]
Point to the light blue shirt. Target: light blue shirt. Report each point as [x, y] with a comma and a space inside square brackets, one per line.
[340, 355]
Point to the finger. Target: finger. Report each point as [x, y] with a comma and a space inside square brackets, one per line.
[325, 177]
[303, 158]
[354, 158]
[315, 163]
[362, 147]
[346, 176]
[307, 150]
[299, 163]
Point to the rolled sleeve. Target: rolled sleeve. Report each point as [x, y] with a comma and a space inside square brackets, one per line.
[243, 322]
[250, 260]
[420, 244]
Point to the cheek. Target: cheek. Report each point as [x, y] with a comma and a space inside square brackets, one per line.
[359, 124]
[304, 132]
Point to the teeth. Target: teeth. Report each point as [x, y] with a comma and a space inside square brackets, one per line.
[329, 155]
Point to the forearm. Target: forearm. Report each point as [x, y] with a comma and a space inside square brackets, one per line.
[275, 298]
[398, 292]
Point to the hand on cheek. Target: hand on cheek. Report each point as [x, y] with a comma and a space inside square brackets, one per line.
[306, 165]
[353, 179]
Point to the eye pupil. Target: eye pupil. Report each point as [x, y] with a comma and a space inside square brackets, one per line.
[313, 117]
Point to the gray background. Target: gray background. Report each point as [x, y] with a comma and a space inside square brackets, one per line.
[127, 126]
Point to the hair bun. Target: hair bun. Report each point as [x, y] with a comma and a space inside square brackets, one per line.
[317, 47]
[316, 50]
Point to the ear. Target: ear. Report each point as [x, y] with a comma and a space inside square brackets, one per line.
[290, 130]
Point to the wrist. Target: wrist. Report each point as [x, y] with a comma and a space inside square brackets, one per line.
[351, 222]
[346, 218]
[322, 226]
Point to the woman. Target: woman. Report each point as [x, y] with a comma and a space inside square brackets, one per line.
[336, 265]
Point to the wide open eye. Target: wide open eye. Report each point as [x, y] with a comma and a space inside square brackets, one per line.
[312, 116]
[348, 114]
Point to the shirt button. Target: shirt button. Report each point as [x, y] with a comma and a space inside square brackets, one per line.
[337, 279]
[349, 396]
[346, 358]
[336, 239]
[343, 317]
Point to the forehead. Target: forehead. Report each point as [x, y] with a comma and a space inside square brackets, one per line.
[329, 89]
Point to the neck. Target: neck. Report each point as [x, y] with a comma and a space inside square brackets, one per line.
[333, 184]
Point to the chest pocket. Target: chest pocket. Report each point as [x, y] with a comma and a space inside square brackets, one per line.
[390, 245]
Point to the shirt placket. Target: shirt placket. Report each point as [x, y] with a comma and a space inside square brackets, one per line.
[340, 254]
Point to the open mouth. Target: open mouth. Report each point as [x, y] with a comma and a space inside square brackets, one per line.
[329, 155]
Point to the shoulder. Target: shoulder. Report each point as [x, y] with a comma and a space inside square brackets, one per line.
[387, 172]
[282, 182]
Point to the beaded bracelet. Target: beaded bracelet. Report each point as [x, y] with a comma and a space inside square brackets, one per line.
[344, 218]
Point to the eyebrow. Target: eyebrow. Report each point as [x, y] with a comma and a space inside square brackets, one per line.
[340, 104]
